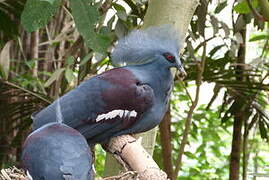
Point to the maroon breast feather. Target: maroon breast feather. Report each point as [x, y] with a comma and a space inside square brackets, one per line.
[126, 93]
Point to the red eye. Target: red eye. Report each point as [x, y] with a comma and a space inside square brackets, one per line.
[169, 57]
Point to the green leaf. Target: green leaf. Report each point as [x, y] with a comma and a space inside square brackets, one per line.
[190, 155]
[54, 77]
[259, 37]
[263, 130]
[243, 7]
[70, 60]
[37, 14]
[215, 49]
[30, 63]
[118, 7]
[121, 29]
[121, 12]
[86, 59]
[220, 7]
[122, 15]
[69, 75]
[86, 16]
[50, 1]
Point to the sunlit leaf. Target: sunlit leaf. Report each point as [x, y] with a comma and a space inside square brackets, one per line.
[54, 77]
[69, 75]
[259, 37]
[243, 8]
[190, 155]
[5, 60]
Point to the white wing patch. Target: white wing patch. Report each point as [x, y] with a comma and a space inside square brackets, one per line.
[118, 112]
[29, 175]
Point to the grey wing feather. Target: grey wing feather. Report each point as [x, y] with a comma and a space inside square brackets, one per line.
[68, 177]
[77, 105]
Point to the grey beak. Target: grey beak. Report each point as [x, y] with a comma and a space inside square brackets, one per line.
[182, 73]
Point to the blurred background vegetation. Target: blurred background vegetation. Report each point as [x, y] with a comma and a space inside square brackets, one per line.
[217, 115]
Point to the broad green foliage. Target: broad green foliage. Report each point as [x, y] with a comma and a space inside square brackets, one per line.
[85, 14]
[243, 8]
[37, 13]
[210, 157]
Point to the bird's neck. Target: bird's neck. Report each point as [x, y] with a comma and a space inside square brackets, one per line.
[157, 76]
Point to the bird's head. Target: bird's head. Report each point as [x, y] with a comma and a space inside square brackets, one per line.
[143, 46]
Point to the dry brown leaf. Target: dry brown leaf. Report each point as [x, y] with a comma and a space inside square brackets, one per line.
[5, 59]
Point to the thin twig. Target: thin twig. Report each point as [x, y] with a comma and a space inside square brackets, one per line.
[188, 94]
[188, 121]
[27, 91]
[264, 49]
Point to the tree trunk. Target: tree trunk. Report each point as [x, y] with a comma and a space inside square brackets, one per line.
[236, 148]
[179, 14]
[165, 136]
[239, 116]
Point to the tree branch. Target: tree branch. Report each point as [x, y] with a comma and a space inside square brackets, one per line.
[264, 5]
[130, 153]
[165, 139]
[200, 67]
[254, 11]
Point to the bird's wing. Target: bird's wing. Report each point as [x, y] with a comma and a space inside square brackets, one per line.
[67, 172]
[113, 100]
[68, 177]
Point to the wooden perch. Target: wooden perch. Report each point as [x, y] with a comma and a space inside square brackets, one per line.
[130, 153]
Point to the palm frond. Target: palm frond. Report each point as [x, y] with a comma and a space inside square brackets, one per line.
[16, 106]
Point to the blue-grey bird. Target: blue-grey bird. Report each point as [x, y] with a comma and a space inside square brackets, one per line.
[57, 152]
[125, 100]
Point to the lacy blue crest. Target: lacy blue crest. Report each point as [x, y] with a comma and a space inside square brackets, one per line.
[141, 46]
